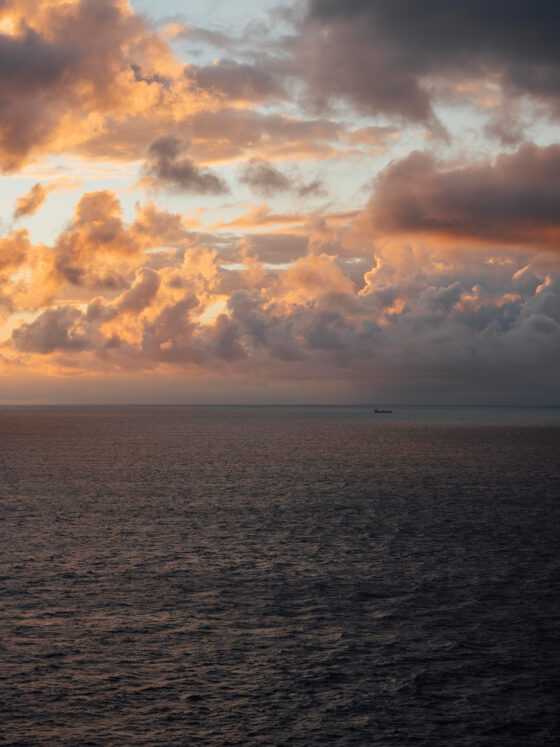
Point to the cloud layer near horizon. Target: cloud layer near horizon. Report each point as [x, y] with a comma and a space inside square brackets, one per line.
[437, 270]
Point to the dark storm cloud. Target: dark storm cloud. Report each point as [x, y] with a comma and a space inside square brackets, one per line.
[515, 199]
[167, 166]
[378, 53]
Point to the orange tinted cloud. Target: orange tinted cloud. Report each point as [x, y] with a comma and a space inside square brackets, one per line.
[29, 203]
[77, 71]
[447, 273]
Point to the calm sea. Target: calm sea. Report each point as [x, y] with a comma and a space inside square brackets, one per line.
[279, 576]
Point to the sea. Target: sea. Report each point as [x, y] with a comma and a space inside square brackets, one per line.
[279, 576]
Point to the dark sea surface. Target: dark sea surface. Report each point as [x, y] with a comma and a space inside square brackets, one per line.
[279, 576]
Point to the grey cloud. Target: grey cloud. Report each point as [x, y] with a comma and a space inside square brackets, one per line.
[265, 331]
[263, 177]
[507, 127]
[200, 35]
[141, 293]
[150, 78]
[133, 301]
[245, 130]
[238, 81]
[314, 188]
[54, 330]
[515, 199]
[29, 62]
[274, 248]
[167, 166]
[379, 53]
[171, 336]
[226, 339]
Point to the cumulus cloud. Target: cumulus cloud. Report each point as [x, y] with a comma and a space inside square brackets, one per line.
[87, 76]
[54, 330]
[97, 251]
[141, 293]
[449, 276]
[478, 324]
[412, 314]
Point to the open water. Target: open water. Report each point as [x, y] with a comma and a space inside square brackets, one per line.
[279, 576]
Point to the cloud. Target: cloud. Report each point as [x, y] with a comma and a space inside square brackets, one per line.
[274, 248]
[238, 81]
[54, 330]
[449, 277]
[99, 251]
[93, 78]
[262, 215]
[232, 133]
[29, 203]
[167, 166]
[264, 178]
[421, 318]
[86, 76]
[198, 35]
[141, 293]
[513, 200]
[374, 136]
[507, 127]
[407, 314]
[385, 55]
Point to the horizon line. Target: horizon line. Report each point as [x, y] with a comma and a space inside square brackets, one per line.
[271, 404]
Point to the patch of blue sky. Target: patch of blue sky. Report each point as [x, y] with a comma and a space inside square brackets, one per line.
[232, 16]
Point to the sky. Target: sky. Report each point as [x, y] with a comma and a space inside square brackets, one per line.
[259, 202]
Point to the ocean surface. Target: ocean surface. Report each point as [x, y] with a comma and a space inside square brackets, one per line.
[279, 576]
